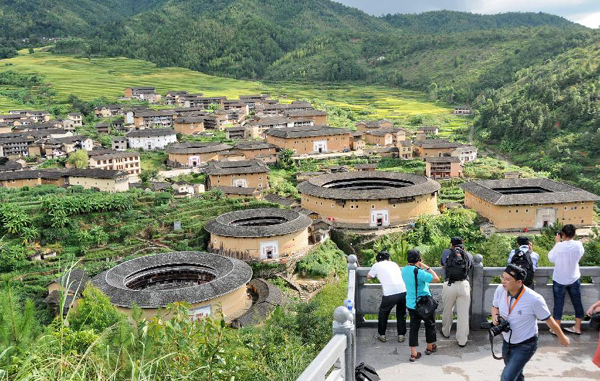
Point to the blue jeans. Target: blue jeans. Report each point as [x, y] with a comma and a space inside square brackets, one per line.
[574, 291]
[514, 363]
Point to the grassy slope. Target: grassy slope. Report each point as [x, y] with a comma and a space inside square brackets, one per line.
[97, 77]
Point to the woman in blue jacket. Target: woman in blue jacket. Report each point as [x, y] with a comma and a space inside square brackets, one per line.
[425, 275]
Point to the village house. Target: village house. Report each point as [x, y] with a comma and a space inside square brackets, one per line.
[318, 117]
[108, 111]
[194, 154]
[434, 147]
[239, 192]
[252, 100]
[185, 189]
[310, 139]
[103, 128]
[405, 149]
[357, 142]
[153, 118]
[36, 116]
[518, 204]
[462, 110]
[363, 126]
[237, 105]
[277, 108]
[244, 173]
[393, 151]
[365, 167]
[69, 286]
[7, 165]
[229, 117]
[445, 167]
[235, 133]
[385, 136]
[151, 139]
[53, 124]
[193, 100]
[76, 117]
[14, 119]
[75, 142]
[172, 97]
[104, 180]
[465, 153]
[119, 143]
[126, 161]
[265, 152]
[189, 125]
[17, 144]
[142, 94]
[263, 124]
[426, 131]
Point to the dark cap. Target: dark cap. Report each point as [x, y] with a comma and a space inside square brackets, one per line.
[522, 240]
[516, 272]
[413, 256]
[454, 241]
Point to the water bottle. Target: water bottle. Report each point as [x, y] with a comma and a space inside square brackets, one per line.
[348, 304]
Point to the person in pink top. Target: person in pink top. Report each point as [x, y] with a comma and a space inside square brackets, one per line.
[565, 255]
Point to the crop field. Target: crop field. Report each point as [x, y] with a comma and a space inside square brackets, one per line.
[107, 77]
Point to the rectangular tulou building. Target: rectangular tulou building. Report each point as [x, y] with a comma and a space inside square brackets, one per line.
[310, 139]
[518, 204]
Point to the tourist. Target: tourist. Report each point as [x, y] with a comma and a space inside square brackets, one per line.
[525, 258]
[456, 290]
[565, 255]
[394, 294]
[424, 275]
[521, 341]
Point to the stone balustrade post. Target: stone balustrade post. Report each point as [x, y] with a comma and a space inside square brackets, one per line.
[477, 293]
[343, 324]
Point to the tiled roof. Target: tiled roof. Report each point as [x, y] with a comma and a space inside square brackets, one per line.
[236, 167]
[281, 222]
[151, 132]
[196, 147]
[306, 131]
[556, 192]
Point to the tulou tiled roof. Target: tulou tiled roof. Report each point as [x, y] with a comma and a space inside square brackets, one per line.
[196, 148]
[230, 274]
[368, 185]
[257, 145]
[437, 143]
[254, 223]
[443, 159]
[553, 192]
[151, 132]
[306, 132]
[236, 167]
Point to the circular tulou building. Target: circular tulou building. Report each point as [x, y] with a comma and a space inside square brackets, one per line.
[259, 234]
[369, 199]
[209, 283]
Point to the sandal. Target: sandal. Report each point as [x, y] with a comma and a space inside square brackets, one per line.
[552, 332]
[432, 350]
[415, 358]
[572, 330]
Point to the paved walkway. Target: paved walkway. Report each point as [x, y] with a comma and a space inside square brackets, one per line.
[474, 362]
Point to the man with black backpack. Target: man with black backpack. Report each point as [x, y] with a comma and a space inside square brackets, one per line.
[457, 290]
[525, 258]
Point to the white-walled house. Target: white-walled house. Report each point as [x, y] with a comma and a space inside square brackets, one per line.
[151, 139]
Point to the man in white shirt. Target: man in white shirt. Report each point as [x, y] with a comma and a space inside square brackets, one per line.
[565, 255]
[522, 308]
[394, 294]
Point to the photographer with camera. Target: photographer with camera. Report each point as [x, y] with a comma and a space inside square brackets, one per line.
[515, 311]
[394, 294]
[565, 255]
[420, 303]
[456, 290]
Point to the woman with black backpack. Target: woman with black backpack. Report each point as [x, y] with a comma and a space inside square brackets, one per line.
[420, 303]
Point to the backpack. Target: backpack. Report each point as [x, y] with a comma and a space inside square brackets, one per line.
[365, 372]
[523, 260]
[457, 267]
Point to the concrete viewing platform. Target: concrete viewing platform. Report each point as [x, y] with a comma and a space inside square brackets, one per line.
[475, 362]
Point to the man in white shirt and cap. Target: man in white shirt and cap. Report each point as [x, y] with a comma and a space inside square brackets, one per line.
[394, 294]
[522, 308]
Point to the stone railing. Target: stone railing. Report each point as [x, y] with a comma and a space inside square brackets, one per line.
[337, 360]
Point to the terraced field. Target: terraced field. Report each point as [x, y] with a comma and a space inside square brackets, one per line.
[107, 77]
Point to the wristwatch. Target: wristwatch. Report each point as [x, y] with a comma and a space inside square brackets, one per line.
[427, 269]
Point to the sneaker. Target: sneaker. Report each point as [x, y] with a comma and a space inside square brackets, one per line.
[463, 345]
[380, 337]
[401, 338]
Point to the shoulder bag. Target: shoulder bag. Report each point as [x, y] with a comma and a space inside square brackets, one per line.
[425, 305]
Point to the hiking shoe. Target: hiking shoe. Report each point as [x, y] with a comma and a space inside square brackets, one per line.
[380, 337]
[401, 338]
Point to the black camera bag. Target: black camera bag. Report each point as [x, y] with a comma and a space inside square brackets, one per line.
[364, 372]
[425, 306]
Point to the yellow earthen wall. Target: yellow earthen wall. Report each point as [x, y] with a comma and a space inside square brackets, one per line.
[188, 128]
[359, 212]
[518, 217]
[287, 244]
[335, 143]
[254, 180]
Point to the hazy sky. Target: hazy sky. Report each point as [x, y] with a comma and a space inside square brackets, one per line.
[585, 12]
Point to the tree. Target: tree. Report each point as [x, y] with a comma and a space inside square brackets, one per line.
[78, 159]
[285, 160]
[148, 174]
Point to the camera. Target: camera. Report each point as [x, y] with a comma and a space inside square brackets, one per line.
[503, 326]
